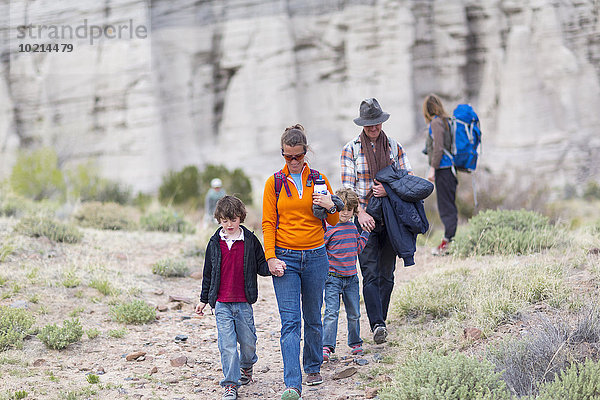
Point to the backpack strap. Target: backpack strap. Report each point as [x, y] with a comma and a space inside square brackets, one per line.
[280, 180]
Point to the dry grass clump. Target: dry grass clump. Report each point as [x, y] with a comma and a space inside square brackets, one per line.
[40, 225]
[533, 361]
[169, 267]
[110, 216]
[166, 220]
[506, 232]
[486, 297]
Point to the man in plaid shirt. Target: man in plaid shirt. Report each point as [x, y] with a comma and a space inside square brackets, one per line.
[378, 259]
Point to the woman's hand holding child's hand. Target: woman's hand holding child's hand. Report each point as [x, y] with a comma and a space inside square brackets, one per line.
[276, 266]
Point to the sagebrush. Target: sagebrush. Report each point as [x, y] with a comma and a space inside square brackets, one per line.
[15, 324]
[42, 225]
[134, 312]
[506, 232]
[109, 216]
[57, 338]
[170, 268]
[431, 376]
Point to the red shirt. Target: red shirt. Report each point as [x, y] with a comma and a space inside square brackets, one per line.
[231, 289]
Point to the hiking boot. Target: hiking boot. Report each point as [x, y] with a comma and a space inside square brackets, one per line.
[245, 375]
[357, 350]
[442, 248]
[326, 353]
[314, 378]
[380, 334]
[230, 393]
[290, 394]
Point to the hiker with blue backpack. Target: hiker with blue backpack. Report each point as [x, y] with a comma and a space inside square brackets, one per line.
[297, 258]
[451, 145]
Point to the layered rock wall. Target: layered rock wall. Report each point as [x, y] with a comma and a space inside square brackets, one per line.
[218, 81]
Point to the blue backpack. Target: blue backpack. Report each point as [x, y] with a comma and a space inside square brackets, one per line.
[466, 137]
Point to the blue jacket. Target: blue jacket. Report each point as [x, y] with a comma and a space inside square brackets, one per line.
[402, 209]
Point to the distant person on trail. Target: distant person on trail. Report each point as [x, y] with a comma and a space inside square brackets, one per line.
[214, 194]
[343, 244]
[295, 251]
[362, 158]
[234, 257]
[441, 170]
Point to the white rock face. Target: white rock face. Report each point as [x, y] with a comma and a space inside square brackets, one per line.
[218, 82]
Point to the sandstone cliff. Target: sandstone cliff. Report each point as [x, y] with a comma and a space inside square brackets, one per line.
[218, 81]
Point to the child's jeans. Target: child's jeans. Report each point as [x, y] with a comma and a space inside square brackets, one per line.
[347, 287]
[235, 324]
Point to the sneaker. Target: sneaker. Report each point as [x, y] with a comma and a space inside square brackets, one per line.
[290, 394]
[326, 353]
[245, 375]
[357, 350]
[230, 393]
[442, 248]
[380, 334]
[314, 378]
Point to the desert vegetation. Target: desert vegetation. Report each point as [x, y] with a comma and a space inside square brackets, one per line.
[90, 280]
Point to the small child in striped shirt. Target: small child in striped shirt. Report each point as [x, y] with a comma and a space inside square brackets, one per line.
[343, 244]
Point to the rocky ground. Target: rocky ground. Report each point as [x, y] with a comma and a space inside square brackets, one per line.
[169, 368]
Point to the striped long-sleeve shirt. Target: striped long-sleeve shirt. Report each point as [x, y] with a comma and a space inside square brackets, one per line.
[343, 245]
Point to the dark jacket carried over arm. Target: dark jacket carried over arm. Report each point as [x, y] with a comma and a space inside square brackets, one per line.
[402, 209]
[254, 264]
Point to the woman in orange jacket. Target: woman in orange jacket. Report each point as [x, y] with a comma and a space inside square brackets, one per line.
[295, 252]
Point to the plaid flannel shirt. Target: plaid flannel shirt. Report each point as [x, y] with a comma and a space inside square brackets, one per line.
[355, 170]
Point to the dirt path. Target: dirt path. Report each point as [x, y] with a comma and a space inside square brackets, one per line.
[125, 259]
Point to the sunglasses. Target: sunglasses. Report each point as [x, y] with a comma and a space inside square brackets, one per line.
[296, 157]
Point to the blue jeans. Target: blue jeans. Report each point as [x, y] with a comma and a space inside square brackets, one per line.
[377, 265]
[299, 295]
[235, 324]
[347, 287]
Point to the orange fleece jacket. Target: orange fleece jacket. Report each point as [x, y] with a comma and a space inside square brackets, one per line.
[298, 229]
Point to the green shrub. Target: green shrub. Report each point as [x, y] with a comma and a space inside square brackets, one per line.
[142, 201]
[134, 312]
[117, 333]
[580, 381]
[70, 279]
[18, 395]
[110, 216]
[6, 249]
[92, 333]
[170, 268]
[180, 187]
[15, 324]
[505, 232]
[15, 206]
[235, 182]
[92, 379]
[36, 175]
[103, 286]
[453, 377]
[38, 225]
[166, 220]
[86, 184]
[58, 338]
[592, 191]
